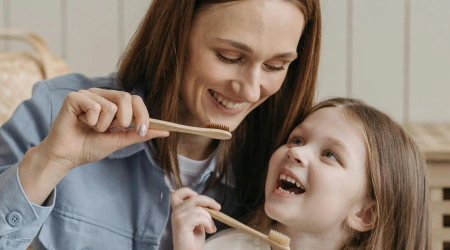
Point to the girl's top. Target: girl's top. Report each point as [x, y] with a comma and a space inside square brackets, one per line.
[234, 239]
[120, 202]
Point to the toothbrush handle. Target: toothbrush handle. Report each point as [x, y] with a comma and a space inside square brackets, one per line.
[234, 223]
[242, 227]
[170, 126]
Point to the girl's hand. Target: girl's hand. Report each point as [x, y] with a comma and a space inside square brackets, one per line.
[190, 220]
[90, 126]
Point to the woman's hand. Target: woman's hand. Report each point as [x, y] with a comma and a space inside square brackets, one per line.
[190, 220]
[89, 126]
[85, 129]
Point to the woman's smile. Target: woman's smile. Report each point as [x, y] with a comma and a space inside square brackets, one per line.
[226, 104]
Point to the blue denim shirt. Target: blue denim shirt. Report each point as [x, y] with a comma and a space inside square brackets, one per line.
[120, 202]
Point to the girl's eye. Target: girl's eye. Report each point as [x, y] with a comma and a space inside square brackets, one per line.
[273, 68]
[295, 140]
[228, 60]
[330, 155]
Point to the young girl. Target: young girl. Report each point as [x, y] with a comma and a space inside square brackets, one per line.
[348, 177]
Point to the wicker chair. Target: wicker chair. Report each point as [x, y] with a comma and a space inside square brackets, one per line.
[19, 70]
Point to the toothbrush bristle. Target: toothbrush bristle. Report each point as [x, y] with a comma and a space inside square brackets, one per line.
[218, 126]
[279, 238]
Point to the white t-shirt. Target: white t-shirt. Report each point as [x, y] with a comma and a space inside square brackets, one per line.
[189, 172]
[234, 239]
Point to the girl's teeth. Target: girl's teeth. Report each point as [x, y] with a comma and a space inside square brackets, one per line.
[291, 180]
[285, 191]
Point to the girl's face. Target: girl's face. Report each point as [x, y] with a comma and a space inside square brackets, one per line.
[238, 55]
[319, 175]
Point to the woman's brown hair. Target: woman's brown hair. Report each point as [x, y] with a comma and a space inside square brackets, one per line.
[396, 181]
[154, 62]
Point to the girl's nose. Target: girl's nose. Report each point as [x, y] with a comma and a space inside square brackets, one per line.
[248, 87]
[297, 157]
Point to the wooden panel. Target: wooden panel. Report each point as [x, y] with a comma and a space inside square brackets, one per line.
[92, 36]
[3, 16]
[333, 62]
[432, 139]
[378, 54]
[43, 17]
[439, 175]
[430, 60]
[441, 208]
[133, 12]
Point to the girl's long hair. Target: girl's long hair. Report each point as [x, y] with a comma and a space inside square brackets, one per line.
[396, 181]
[154, 62]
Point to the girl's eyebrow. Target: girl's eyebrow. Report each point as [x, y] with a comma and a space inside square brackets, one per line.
[246, 48]
[339, 144]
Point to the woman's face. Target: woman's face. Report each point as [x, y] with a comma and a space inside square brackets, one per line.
[238, 55]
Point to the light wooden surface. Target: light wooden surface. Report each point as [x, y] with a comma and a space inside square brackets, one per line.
[434, 141]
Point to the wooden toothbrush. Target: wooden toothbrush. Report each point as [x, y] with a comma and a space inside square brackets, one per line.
[275, 239]
[215, 131]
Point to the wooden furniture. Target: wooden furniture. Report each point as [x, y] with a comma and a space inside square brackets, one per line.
[20, 70]
[434, 141]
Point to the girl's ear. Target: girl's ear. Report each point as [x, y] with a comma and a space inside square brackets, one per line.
[363, 218]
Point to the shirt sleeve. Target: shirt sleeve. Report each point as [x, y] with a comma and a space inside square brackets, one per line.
[20, 220]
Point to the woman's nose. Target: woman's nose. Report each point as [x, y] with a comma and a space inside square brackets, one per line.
[297, 157]
[248, 87]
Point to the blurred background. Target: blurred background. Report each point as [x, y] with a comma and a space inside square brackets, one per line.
[395, 55]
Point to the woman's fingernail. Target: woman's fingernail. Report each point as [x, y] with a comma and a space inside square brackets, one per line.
[142, 130]
[113, 130]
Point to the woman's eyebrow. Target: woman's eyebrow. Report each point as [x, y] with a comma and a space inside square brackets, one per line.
[287, 55]
[236, 44]
[246, 48]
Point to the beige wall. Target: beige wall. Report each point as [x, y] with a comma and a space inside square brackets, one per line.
[394, 55]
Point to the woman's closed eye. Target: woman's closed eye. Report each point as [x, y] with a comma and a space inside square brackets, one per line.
[228, 59]
[232, 60]
[269, 67]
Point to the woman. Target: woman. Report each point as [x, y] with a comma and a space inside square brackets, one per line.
[242, 64]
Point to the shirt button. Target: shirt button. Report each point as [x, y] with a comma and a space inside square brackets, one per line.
[14, 219]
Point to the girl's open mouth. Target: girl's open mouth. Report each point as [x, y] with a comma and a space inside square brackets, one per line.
[288, 184]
